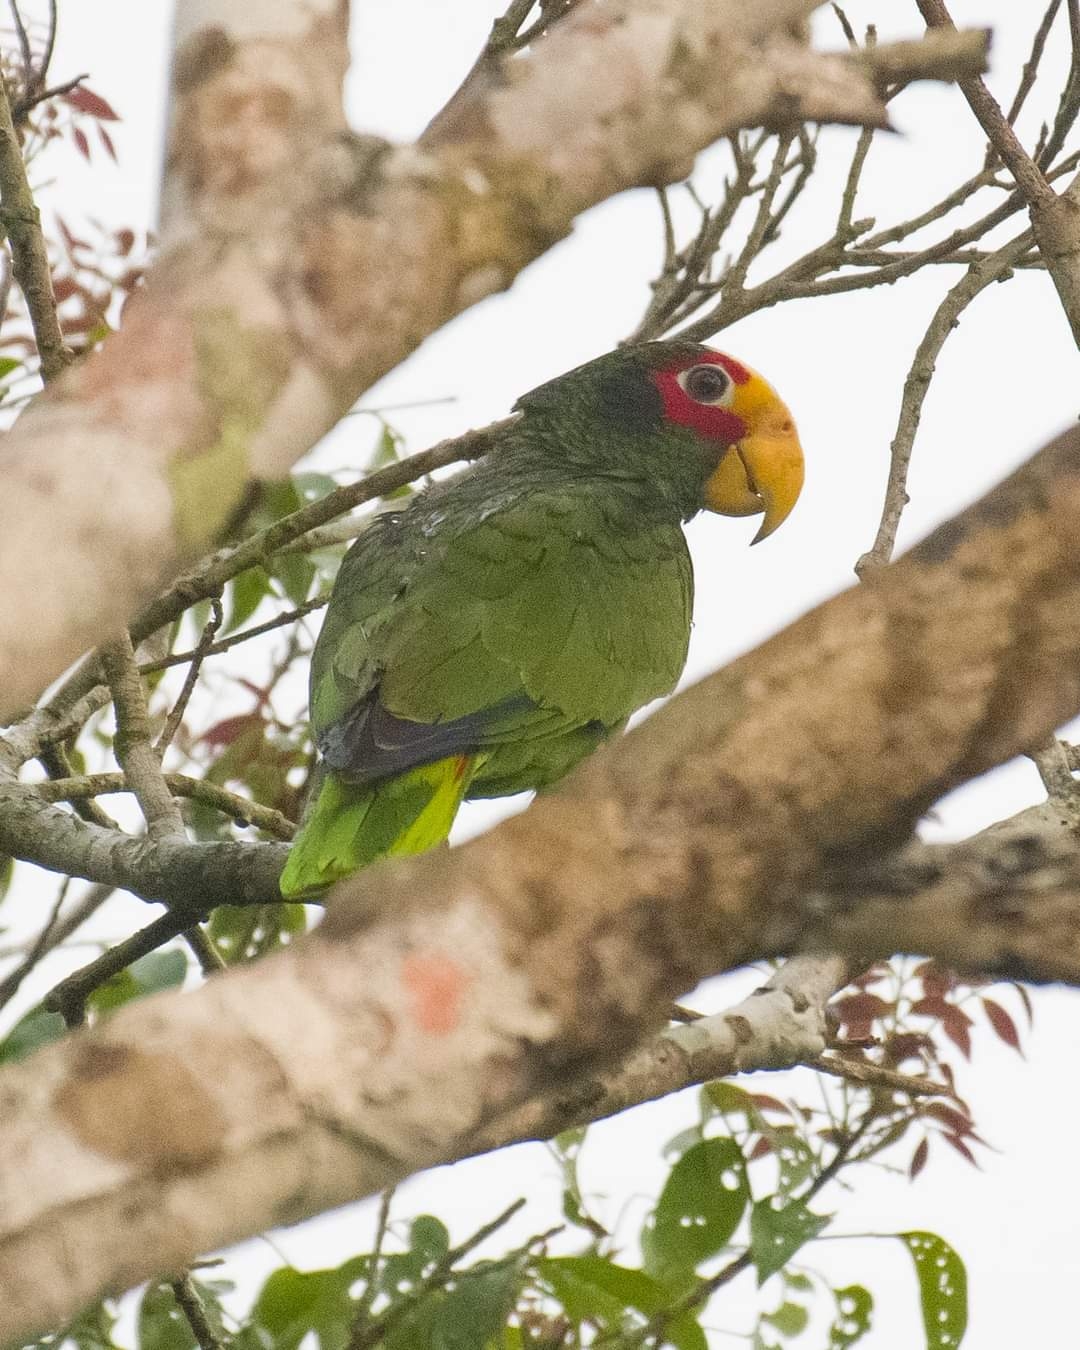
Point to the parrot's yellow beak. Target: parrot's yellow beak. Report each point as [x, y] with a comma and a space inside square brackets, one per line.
[762, 473]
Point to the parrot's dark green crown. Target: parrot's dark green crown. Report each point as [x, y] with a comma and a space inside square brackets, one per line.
[608, 418]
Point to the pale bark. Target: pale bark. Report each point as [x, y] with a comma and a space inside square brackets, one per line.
[751, 816]
[301, 263]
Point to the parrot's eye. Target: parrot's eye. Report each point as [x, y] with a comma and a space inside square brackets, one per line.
[707, 384]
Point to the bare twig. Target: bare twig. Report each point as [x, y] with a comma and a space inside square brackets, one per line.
[1029, 177]
[196, 657]
[191, 1305]
[976, 279]
[235, 639]
[179, 785]
[30, 261]
[372, 1333]
[9, 986]
[1029, 73]
[69, 996]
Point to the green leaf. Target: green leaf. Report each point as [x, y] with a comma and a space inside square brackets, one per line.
[730, 1100]
[92, 1329]
[795, 1159]
[296, 573]
[790, 1319]
[245, 593]
[35, 1029]
[699, 1209]
[777, 1234]
[312, 487]
[161, 1325]
[7, 365]
[942, 1288]
[475, 1309]
[592, 1288]
[293, 1303]
[854, 1306]
[244, 931]
[429, 1239]
[147, 975]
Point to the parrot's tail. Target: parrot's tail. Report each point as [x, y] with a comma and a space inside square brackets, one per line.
[349, 826]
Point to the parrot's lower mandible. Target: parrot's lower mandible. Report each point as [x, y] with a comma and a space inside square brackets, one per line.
[488, 636]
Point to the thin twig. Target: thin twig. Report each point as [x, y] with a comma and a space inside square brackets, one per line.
[24, 41]
[1029, 72]
[30, 259]
[235, 639]
[196, 657]
[875, 1075]
[1027, 174]
[371, 1284]
[69, 996]
[976, 279]
[239, 808]
[374, 1331]
[9, 986]
[191, 1305]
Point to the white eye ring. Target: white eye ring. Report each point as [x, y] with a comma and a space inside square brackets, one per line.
[709, 384]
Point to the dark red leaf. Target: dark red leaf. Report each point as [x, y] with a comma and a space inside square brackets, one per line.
[918, 1158]
[933, 1005]
[64, 288]
[226, 731]
[906, 1045]
[937, 979]
[961, 1148]
[90, 103]
[760, 1149]
[861, 1008]
[766, 1103]
[81, 143]
[1002, 1023]
[955, 1023]
[125, 242]
[956, 1121]
[107, 142]
[874, 975]
[71, 241]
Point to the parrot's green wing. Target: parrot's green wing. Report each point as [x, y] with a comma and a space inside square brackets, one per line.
[504, 652]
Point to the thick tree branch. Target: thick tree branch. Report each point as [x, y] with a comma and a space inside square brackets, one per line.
[748, 817]
[254, 335]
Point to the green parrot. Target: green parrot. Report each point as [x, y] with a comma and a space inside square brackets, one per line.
[487, 637]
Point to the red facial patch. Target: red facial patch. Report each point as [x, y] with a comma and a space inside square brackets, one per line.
[714, 423]
[437, 985]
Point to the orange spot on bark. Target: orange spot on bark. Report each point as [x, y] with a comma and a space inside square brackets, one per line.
[437, 984]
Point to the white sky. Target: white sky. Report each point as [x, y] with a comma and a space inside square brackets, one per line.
[1007, 381]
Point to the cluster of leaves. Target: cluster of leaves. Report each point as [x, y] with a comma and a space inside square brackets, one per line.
[94, 267]
[895, 1017]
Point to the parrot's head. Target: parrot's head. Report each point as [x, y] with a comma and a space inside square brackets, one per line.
[759, 464]
[703, 415]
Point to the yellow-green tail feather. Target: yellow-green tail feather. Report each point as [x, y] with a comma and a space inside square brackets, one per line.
[348, 827]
